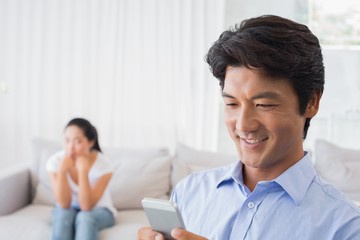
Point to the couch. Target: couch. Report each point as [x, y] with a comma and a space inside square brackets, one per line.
[26, 200]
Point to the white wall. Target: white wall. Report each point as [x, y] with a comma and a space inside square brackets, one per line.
[237, 10]
[134, 68]
[341, 91]
[339, 118]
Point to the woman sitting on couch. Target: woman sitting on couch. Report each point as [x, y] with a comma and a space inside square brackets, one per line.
[79, 177]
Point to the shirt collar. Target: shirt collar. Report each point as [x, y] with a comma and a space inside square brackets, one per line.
[295, 180]
[234, 173]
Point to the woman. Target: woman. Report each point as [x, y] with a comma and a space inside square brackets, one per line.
[79, 177]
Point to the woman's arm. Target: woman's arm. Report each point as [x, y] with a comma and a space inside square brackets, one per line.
[89, 196]
[60, 185]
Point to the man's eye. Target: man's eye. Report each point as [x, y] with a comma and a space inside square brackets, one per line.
[231, 104]
[265, 106]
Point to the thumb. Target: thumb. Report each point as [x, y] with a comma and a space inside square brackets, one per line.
[181, 234]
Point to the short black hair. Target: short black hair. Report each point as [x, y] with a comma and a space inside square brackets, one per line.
[279, 47]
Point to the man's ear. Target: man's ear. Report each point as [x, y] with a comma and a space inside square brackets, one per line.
[313, 105]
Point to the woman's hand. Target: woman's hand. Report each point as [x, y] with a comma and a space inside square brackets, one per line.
[59, 183]
[82, 163]
[67, 163]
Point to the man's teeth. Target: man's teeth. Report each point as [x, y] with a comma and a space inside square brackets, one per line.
[251, 141]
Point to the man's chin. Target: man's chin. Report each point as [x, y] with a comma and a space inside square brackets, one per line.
[251, 161]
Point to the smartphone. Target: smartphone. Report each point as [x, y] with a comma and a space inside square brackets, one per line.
[163, 215]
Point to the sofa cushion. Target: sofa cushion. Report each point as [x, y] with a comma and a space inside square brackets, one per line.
[339, 166]
[188, 160]
[138, 173]
[33, 220]
[127, 224]
[35, 223]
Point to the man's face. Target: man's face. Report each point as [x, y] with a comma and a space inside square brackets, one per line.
[263, 118]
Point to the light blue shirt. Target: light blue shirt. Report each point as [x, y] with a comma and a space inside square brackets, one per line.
[296, 205]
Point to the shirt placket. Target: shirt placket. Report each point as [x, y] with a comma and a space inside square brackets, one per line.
[246, 215]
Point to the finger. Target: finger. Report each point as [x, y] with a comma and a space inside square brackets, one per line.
[181, 234]
[146, 233]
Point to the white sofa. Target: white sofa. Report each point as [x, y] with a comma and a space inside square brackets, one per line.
[26, 200]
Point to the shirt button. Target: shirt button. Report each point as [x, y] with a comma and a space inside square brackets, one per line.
[251, 205]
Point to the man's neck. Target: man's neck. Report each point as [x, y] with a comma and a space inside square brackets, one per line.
[251, 176]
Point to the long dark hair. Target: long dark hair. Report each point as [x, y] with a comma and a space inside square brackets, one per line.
[277, 46]
[89, 130]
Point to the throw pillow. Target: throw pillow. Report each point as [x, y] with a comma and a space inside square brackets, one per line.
[339, 166]
[139, 173]
[188, 160]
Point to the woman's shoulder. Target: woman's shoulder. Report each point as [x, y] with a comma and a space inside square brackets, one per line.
[54, 160]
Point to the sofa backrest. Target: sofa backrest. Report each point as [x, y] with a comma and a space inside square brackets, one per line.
[138, 173]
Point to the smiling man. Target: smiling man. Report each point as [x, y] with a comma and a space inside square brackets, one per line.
[271, 75]
[263, 118]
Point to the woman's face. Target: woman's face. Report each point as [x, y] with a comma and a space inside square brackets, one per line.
[75, 142]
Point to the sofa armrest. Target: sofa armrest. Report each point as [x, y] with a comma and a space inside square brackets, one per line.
[15, 188]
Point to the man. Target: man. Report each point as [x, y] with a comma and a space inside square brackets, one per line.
[271, 74]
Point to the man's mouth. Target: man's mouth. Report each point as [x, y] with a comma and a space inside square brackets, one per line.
[253, 141]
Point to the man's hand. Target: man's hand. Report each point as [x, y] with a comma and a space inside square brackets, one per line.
[181, 234]
[146, 233]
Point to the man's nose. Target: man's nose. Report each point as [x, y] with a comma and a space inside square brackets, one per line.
[246, 120]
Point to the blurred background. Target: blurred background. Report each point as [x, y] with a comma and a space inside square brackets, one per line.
[136, 70]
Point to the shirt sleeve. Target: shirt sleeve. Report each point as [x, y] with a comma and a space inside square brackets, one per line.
[173, 196]
[52, 164]
[106, 166]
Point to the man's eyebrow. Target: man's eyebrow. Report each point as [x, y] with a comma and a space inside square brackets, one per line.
[271, 95]
[224, 94]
